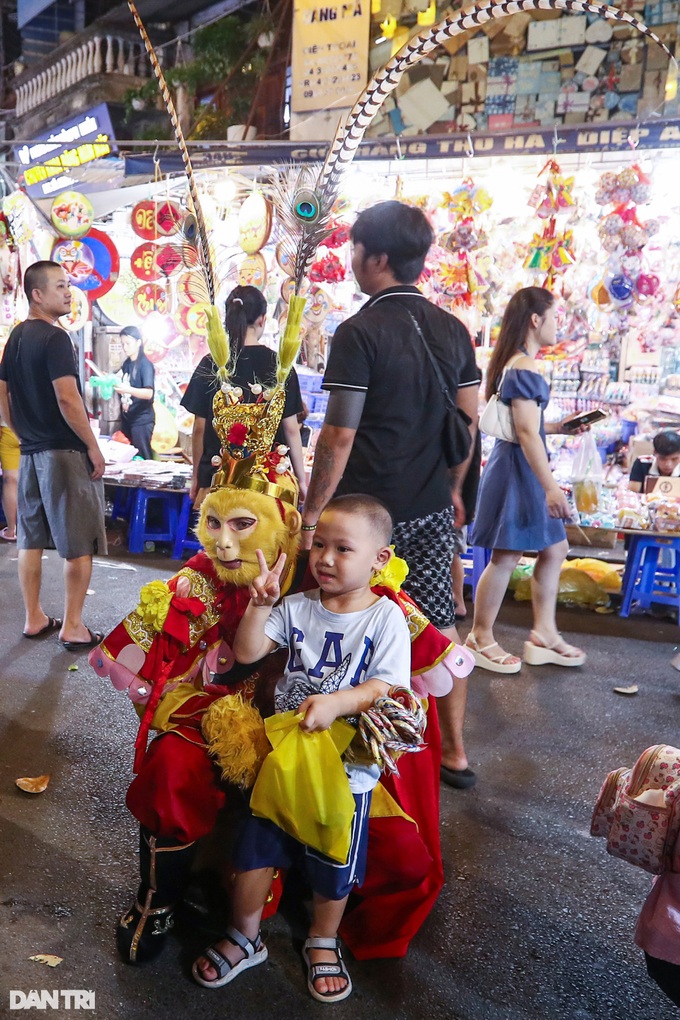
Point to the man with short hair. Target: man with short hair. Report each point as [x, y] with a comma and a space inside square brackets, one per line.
[383, 431]
[61, 493]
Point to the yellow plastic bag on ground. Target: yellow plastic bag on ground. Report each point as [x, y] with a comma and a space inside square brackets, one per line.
[576, 588]
[605, 574]
[303, 787]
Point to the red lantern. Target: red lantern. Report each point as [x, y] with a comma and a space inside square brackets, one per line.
[143, 262]
[150, 298]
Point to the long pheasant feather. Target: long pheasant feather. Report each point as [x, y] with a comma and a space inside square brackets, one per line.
[385, 80]
[202, 242]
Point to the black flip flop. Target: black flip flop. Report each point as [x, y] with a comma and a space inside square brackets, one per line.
[52, 624]
[82, 646]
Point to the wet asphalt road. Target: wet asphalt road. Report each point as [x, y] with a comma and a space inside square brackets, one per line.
[535, 920]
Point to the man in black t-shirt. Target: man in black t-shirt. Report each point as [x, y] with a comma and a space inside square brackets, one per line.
[383, 431]
[61, 493]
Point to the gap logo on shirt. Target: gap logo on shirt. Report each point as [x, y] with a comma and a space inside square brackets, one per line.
[332, 658]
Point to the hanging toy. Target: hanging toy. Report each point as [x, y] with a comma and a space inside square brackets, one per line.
[624, 236]
[328, 269]
[553, 196]
[467, 200]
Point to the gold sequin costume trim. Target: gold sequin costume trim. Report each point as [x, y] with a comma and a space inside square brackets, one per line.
[201, 588]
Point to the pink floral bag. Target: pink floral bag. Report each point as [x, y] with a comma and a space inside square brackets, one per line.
[638, 810]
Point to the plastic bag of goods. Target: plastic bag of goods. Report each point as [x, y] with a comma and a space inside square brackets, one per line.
[587, 475]
[576, 589]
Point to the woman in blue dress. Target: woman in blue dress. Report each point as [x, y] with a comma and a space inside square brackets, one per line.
[520, 506]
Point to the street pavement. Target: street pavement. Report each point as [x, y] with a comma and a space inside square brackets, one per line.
[535, 920]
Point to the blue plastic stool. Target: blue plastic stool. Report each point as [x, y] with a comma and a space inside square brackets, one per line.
[474, 562]
[140, 530]
[123, 499]
[645, 579]
[182, 541]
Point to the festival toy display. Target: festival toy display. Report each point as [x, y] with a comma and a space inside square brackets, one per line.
[551, 251]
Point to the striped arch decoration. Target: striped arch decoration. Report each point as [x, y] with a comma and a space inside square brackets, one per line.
[386, 79]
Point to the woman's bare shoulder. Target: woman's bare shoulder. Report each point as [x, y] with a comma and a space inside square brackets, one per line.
[524, 363]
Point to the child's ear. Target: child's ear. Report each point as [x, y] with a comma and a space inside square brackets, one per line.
[383, 558]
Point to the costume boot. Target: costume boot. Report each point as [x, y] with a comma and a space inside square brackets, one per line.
[164, 866]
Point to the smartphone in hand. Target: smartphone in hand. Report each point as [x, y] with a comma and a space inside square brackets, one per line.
[586, 418]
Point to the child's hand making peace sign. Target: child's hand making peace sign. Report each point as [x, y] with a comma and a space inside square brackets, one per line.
[266, 588]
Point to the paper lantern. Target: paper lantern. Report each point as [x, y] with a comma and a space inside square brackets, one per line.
[71, 214]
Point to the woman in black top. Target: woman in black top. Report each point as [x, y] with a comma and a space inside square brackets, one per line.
[245, 315]
[136, 392]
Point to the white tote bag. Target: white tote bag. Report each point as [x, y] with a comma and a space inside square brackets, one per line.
[496, 419]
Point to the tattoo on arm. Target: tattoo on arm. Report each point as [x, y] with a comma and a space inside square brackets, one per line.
[322, 485]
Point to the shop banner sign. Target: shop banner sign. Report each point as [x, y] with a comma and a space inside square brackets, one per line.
[330, 53]
[48, 162]
[662, 134]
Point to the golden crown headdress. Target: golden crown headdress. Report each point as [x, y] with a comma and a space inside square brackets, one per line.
[247, 430]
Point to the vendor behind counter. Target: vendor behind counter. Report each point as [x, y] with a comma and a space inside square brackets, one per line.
[664, 464]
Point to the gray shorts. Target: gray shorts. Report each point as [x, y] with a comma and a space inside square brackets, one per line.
[59, 506]
[460, 542]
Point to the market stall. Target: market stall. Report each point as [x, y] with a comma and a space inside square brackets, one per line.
[597, 227]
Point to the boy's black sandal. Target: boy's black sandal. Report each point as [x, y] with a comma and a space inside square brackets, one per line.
[324, 970]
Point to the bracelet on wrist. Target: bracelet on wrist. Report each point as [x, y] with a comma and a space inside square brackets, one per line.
[308, 527]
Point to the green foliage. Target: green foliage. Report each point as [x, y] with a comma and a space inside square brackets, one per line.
[218, 55]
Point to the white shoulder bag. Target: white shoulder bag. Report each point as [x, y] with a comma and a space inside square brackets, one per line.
[496, 419]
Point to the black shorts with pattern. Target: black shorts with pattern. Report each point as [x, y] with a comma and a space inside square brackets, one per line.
[428, 545]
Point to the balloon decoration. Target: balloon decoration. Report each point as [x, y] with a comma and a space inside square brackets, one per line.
[623, 236]
[148, 298]
[254, 222]
[79, 314]
[252, 271]
[151, 220]
[143, 262]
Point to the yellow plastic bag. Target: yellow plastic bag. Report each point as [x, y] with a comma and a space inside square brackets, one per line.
[605, 574]
[576, 588]
[303, 787]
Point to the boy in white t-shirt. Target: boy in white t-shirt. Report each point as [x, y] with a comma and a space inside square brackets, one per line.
[347, 647]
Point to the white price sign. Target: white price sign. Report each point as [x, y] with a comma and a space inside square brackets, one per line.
[330, 54]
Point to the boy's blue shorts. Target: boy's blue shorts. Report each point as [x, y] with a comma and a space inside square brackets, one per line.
[262, 844]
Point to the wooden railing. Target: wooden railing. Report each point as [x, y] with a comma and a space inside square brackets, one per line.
[100, 54]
